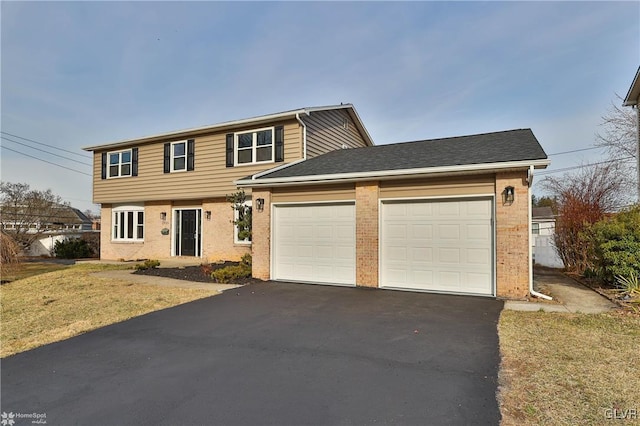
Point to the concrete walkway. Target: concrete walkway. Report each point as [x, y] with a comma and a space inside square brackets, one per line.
[568, 295]
[128, 275]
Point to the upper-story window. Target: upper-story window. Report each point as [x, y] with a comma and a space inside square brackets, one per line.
[264, 145]
[254, 147]
[123, 163]
[179, 156]
[120, 163]
[535, 228]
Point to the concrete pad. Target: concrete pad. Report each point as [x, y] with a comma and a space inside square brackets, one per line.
[569, 295]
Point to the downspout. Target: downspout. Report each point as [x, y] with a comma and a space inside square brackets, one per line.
[531, 290]
[304, 135]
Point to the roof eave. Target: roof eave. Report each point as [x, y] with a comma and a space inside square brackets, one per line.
[204, 129]
[392, 174]
[634, 91]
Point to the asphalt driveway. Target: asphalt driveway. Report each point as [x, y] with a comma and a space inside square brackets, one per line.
[281, 354]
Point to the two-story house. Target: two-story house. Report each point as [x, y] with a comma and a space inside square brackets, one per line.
[165, 195]
[449, 215]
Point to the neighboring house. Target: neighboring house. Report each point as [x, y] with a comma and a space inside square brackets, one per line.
[633, 100]
[448, 215]
[543, 222]
[543, 225]
[66, 222]
[165, 195]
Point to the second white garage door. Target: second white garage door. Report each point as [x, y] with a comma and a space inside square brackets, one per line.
[314, 243]
[441, 246]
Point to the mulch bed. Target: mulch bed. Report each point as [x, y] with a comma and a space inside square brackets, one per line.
[200, 273]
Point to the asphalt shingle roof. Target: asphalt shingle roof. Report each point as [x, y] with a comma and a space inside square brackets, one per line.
[497, 147]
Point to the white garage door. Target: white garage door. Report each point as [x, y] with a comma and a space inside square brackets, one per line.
[441, 246]
[315, 243]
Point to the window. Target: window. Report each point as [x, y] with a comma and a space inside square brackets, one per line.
[178, 156]
[128, 224]
[239, 231]
[120, 163]
[254, 147]
[535, 228]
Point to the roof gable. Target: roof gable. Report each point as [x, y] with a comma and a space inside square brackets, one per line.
[634, 91]
[488, 148]
[228, 125]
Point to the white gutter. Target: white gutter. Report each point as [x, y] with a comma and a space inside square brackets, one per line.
[304, 135]
[342, 177]
[531, 290]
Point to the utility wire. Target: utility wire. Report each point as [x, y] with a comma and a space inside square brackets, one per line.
[47, 152]
[45, 161]
[50, 146]
[547, 172]
[575, 150]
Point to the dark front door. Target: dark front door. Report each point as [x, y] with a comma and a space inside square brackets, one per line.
[187, 232]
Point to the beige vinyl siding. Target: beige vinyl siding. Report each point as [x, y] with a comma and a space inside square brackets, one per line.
[477, 185]
[326, 132]
[210, 178]
[314, 193]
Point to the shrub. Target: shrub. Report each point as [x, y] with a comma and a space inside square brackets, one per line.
[73, 248]
[148, 264]
[229, 273]
[246, 260]
[9, 251]
[616, 245]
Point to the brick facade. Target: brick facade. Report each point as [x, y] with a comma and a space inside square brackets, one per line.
[512, 237]
[261, 245]
[216, 233]
[511, 230]
[367, 234]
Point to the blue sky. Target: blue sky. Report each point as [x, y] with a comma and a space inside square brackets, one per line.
[84, 73]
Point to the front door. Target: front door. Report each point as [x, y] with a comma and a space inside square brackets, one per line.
[187, 232]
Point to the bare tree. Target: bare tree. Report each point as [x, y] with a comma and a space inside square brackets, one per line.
[620, 140]
[25, 213]
[583, 198]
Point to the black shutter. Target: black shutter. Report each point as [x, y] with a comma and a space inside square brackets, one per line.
[279, 143]
[229, 150]
[104, 165]
[167, 157]
[134, 162]
[190, 154]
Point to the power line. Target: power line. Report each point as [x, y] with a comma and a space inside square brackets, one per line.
[50, 146]
[547, 172]
[47, 152]
[45, 161]
[575, 150]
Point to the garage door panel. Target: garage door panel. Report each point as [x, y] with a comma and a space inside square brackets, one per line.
[437, 245]
[314, 243]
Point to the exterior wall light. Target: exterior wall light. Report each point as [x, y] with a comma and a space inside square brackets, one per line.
[509, 195]
[207, 214]
[260, 204]
[163, 216]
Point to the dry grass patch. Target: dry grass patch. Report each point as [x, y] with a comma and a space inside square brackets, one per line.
[568, 368]
[29, 269]
[57, 305]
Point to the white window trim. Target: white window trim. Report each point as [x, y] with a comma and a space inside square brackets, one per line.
[235, 227]
[120, 163]
[173, 156]
[254, 146]
[126, 209]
